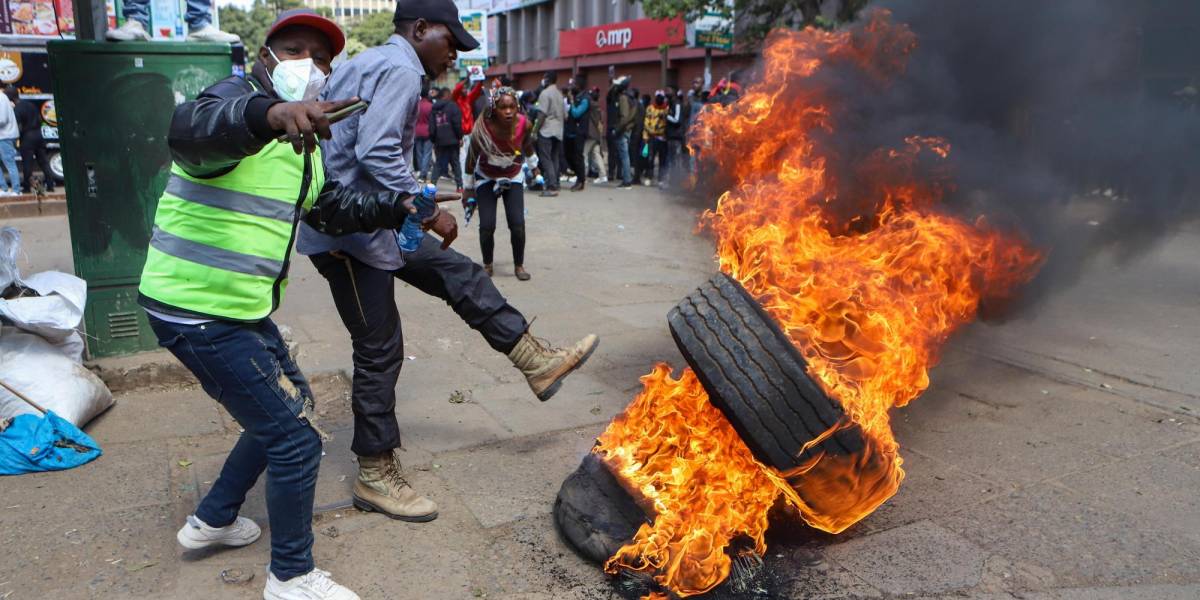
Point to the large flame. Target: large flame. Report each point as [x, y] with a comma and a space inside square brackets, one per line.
[867, 287]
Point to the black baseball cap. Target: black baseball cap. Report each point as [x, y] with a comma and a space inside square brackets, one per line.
[436, 11]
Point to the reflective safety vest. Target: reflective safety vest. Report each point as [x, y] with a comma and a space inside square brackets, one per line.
[221, 246]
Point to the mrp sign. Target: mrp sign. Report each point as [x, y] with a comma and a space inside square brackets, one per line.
[617, 37]
[614, 37]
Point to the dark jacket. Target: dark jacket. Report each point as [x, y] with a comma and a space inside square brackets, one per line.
[639, 121]
[595, 119]
[29, 121]
[227, 122]
[445, 123]
[676, 120]
[622, 112]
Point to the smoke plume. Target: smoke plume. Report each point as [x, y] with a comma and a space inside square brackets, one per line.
[1073, 121]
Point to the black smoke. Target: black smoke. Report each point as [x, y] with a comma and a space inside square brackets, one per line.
[1074, 121]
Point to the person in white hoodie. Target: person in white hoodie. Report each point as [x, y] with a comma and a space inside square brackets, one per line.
[10, 185]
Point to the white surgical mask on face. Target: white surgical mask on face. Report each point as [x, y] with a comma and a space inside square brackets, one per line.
[296, 80]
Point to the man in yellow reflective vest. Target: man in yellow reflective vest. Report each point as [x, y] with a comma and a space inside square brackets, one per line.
[217, 268]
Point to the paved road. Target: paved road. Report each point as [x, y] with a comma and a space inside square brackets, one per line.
[1055, 456]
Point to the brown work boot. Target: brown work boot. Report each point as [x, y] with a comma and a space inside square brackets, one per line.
[545, 367]
[381, 488]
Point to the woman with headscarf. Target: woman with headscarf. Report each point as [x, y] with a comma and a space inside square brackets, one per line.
[500, 144]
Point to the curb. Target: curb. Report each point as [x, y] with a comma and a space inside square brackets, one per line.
[32, 208]
[158, 369]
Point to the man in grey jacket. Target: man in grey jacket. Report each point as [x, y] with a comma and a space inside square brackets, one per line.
[550, 131]
[371, 152]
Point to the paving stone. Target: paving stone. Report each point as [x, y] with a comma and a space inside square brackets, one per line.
[1075, 539]
[515, 479]
[379, 557]
[583, 401]
[931, 489]
[1158, 491]
[528, 559]
[154, 416]
[124, 476]
[650, 315]
[955, 429]
[113, 553]
[918, 558]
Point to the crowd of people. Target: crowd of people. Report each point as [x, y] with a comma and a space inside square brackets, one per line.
[21, 133]
[626, 137]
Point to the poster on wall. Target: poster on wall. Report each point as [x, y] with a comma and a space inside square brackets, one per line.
[29, 17]
[475, 22]
[65, 11]
[166, 19]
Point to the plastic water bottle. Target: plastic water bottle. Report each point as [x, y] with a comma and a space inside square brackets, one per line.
[410, 234]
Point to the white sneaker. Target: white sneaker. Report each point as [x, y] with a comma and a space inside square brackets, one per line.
[601, 180]
[314, 585]
[131, 30]
[208, 33]
[196, 534]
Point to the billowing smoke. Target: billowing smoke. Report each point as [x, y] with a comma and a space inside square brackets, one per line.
[1073, 121]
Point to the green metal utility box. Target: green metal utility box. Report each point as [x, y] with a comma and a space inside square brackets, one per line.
[114, 104]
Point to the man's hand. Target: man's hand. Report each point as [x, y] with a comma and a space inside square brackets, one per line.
[444, 224]
[467, 195]
[304, 122]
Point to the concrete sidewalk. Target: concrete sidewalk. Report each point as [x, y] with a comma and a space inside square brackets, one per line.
[1053, 457]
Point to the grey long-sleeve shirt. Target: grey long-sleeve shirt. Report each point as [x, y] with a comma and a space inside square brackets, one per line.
[370, 151]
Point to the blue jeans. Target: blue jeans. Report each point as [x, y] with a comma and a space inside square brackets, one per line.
[199, 13]
[8, 155]
[623, 156]
[246, 367]
[423, 155]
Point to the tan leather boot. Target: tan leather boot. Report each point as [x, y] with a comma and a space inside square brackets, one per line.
[544, 366]
[381, 488]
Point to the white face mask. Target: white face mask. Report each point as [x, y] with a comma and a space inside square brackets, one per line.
[296, 80]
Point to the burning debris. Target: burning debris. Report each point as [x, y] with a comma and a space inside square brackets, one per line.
[839, 289]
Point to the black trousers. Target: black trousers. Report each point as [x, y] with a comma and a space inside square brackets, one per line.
[548, 150]
[366, 303]
[658, 160]
[447, 164]
[573, 146]
[35, 149]
[514, 213]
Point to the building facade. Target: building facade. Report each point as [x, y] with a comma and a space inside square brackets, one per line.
[584, 38]
[347, 10]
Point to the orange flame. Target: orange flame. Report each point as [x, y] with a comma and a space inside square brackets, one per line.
[868, 299]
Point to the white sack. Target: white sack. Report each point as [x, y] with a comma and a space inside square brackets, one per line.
[40, 371]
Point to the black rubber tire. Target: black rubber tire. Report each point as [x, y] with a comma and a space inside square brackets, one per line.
[754, 374]
[594, 514]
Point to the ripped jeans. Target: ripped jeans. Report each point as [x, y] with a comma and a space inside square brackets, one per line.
[246, 368]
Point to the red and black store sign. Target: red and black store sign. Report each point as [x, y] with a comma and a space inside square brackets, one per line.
[619, 37]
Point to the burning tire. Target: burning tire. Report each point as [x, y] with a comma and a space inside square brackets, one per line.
[754, 374]
[594, 513]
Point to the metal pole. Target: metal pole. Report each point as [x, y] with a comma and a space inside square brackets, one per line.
[708, 68]
[91, 19]
[663, 68]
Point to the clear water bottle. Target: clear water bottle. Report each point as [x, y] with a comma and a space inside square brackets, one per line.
[410, 234]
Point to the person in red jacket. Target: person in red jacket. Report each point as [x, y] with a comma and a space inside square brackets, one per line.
[466, 100]
[423, 146]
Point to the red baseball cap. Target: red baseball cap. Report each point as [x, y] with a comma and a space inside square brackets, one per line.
[307, 17]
